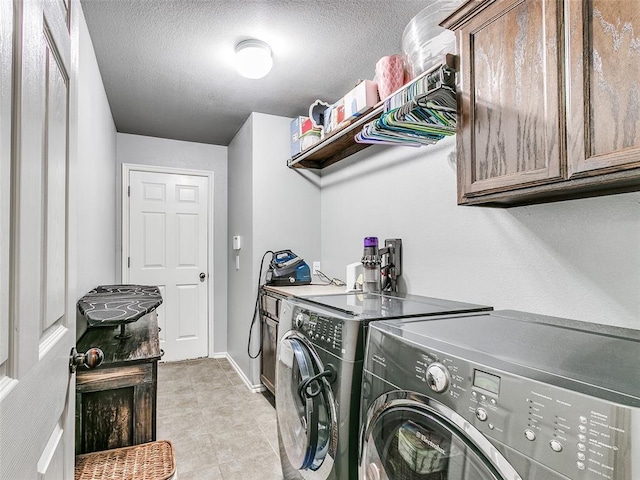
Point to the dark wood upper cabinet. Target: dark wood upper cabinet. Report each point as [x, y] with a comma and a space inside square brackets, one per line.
[603, 126]
[549, 99]
[511, 131]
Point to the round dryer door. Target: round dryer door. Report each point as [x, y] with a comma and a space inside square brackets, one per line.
[304, 404]
[408, 442]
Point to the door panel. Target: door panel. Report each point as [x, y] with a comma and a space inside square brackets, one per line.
[187, 240]
[510, 132]
[603, 128]
[187, 311]
[51, 463]
[112, 411]
[37, 310]
[154, 191]
[55, 186]
[6, 55]
[168, 235]
[155, 234]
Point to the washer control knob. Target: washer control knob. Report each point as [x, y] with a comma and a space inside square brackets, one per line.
[555, 445]
[299, 320]
[438, 377]
[530, 434]
[481, 413]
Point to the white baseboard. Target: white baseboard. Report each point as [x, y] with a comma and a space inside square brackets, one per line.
[254, 388]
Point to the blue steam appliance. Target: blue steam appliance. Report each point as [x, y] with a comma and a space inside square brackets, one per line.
[286, 269]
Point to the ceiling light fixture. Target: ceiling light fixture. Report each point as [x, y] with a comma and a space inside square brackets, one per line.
[253, 58]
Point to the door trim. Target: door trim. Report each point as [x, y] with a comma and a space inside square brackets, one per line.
[124, 277]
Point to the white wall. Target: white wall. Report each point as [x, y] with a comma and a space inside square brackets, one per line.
[241, 296]
[578, 259]
[96, 170]
[286, 201]
[142, 150]
[273, 208]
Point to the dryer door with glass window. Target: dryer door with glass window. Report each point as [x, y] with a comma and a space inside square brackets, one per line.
[409, 440]
[306, 409]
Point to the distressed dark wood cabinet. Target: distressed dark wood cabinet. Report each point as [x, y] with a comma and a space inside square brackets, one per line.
[116, 402]
[269, 320]
[549, 99]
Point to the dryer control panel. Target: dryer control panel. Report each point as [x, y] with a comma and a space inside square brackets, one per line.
[321, 330]
[580, 436]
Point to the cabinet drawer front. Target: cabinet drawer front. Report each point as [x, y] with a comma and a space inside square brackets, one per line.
[603, 128]
[116, 377]
[510, 134]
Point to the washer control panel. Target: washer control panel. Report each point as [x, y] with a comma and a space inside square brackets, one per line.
[579, 436]
[323, 331]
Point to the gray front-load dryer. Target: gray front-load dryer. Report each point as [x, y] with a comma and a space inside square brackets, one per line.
[319, 373]
[500, 396]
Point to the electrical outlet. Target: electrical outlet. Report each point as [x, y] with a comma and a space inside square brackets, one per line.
[316, 267]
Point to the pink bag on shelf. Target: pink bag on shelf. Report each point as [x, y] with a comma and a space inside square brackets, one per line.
[390, 74]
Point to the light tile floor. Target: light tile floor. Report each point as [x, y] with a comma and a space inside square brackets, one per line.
[219, 429]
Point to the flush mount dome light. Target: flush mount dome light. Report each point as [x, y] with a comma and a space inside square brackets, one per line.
[253, 58]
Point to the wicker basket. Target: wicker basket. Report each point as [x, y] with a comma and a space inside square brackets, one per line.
[148, 461]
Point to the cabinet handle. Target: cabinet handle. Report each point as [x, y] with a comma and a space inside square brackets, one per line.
[91, 359]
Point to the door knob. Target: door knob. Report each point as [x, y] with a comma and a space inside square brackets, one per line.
[91, 359]
[202, 276]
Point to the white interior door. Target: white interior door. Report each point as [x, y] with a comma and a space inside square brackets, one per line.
[37, 308]
[168, 235]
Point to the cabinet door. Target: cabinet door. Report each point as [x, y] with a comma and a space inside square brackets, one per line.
[269, 349]
[603, 128]
[116, 407]
[510, 134]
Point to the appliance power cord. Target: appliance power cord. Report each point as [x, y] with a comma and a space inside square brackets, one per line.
[330, 281]
[256, 311]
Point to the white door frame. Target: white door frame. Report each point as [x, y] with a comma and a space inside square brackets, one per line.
[128, 167]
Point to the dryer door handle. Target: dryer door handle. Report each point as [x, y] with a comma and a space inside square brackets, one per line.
[303, 389]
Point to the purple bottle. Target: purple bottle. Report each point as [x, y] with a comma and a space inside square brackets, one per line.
[371, 265]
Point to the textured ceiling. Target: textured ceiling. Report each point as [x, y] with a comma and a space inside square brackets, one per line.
[167, 64]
